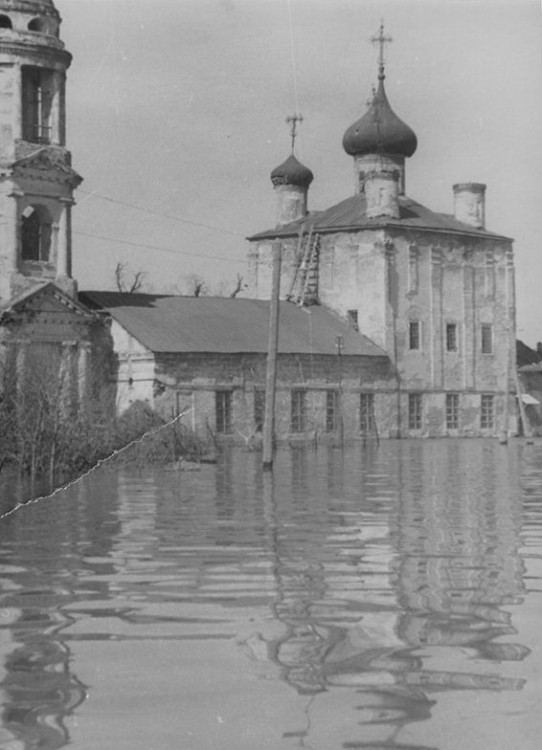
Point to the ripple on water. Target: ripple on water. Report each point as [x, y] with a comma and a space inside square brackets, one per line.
[369, 599]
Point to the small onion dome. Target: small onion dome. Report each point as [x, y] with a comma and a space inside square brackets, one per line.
[380, 131]
[292, 172]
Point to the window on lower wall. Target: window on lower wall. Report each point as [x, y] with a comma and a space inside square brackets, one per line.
[332, 411]
[366, 411]
[487, 416]
[452, 411]
[415, 404]
[223, 401]
[298, 413]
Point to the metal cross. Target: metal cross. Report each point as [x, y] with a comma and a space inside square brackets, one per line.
[292, 121]
[381, 40]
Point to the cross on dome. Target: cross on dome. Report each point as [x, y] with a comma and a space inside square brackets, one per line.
[292, 121]
[381, 39]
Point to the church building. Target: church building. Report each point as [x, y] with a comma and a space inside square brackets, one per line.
[432, 290]
[395, 320]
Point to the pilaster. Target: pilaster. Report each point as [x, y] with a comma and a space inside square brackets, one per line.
[436, 350]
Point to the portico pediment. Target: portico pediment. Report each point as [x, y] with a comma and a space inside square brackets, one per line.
[46, 298]
[45, 314]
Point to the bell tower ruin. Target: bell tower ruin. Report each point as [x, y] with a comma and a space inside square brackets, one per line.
[36, 177]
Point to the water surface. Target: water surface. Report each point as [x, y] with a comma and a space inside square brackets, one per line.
[385, 597]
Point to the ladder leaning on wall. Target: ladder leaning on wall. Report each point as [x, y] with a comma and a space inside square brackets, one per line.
[306, 265]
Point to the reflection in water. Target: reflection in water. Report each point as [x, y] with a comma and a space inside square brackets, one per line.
[450, 557]
[370, 584]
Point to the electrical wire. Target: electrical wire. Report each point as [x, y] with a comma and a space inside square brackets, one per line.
[92, 194]
[292, 55]
[156, 247]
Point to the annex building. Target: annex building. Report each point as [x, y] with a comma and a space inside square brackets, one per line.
[395, 320]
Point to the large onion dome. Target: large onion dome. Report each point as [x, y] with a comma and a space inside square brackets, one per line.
[292, 172]
[380, 130]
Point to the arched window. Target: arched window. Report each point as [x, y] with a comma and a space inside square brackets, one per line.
[37, 24]
[36, 234]
[5, 22]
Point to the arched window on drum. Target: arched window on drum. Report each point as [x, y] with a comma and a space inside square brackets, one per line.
[36, 231]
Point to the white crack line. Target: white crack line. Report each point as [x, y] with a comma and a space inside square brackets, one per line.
[97, 465]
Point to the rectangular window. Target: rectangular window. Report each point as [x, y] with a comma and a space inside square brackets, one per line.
[37, 100]
[223, 401]
[332, 410]
[452, 411]
[487, 339]
[414, 411]
[353, 319]
[451, 337]
[413, 255]
[486, 412]
[259, 406]
[366, 411]
[414, 337]
[298, 416]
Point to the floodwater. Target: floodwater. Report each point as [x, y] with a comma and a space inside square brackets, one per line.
[385, 597]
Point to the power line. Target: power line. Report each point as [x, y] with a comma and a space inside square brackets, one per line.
[159, 213]
[156, 247]
[292, 55]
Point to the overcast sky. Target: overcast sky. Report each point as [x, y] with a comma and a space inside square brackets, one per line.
[177, 108]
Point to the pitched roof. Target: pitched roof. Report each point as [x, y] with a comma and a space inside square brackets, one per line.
[526, 356]
[168, 324]
[350, 215]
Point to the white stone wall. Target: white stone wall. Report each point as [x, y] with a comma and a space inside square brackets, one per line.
[135, 371]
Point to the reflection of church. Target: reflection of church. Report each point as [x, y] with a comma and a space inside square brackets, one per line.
[368, 615]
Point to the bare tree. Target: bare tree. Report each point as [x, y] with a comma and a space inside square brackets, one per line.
[239, 286]
[124, 284]
[196, 286]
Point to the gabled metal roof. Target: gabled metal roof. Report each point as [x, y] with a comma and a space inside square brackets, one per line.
[168, 324]
[350, 215]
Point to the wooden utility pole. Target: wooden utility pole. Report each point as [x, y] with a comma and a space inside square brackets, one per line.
[271, 374]
[339, 342]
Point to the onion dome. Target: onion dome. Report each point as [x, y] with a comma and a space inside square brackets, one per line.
[292, 172]
[380, 130]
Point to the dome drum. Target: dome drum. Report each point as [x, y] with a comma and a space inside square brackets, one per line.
[382, 193]
[29, 17]
[363, 165]
[30, 7]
